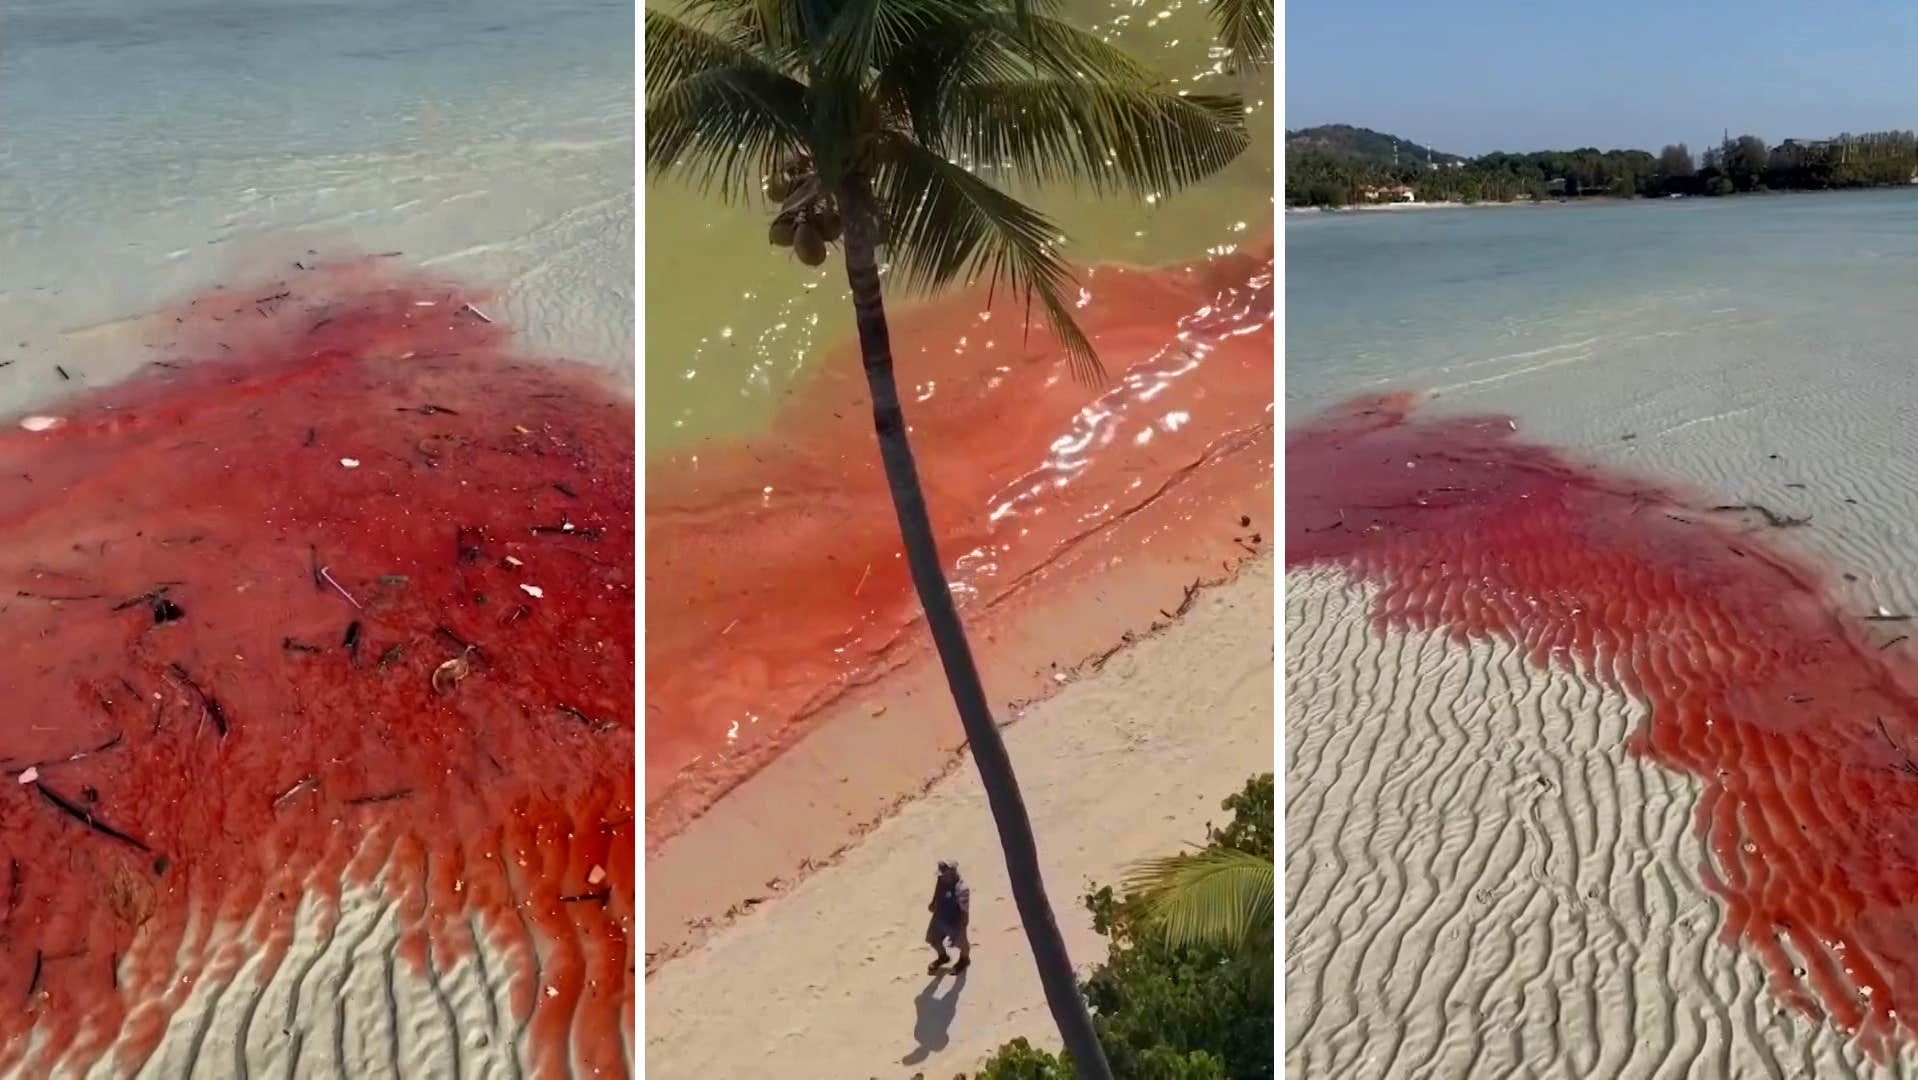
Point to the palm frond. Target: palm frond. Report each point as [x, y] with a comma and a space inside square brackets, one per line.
[774, 30]
[1054, 47]
[945, 224]
[677, 50]
[1220, 896]
[726, 127]
[1104, 134]
[1245, 27]
[993, 48]
[867, 32]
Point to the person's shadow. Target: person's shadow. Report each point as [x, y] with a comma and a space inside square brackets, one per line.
[933, 1025]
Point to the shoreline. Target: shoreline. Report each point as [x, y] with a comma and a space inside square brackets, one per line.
[267, 751]
[885, 746]
[1595, 200]
[1611, 698]
[1112, 770]
[1038, 487]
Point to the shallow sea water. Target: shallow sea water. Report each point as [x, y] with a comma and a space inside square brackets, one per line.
[734, 324]
[1425, 300]
[768, 531]
[1664, 446]
[150, 149]
[314, 475]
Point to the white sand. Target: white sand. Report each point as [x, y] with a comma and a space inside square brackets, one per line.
[828, 980]
[1480, 882]
[341, 1003]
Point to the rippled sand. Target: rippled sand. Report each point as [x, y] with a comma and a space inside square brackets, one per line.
[827, 977]
[320, 692]
[1592, 773]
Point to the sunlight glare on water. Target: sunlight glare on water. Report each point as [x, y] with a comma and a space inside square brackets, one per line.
[709, 265]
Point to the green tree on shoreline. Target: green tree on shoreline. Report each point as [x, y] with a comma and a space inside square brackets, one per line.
[1199, 1008]
[1741, 164]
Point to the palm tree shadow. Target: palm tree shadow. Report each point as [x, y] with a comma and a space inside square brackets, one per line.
[933, 1024]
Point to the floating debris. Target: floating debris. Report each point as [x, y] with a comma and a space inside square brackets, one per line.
[328, 578]
[447, 676]
[86, 818]
[41, 423]
[209, 705]
[305, 783]
[349, 463]
[533, 591]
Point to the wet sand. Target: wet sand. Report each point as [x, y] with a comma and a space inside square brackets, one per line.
[784, 550]
[231, 772]
[1647, 712]
[827, 978]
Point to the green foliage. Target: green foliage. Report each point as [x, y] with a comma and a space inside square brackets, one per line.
[1363, 145]
[1250, 829]
[1218, 895]
[1020, 1060]
[1328, 171]
[1165, 1012]
[1675, 162]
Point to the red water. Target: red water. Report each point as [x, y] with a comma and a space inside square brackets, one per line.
[1798, 720]
[774, 574]
[218, 732]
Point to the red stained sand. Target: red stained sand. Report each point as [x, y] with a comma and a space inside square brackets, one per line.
[774, 575]
[181, 677]
[1795, 719]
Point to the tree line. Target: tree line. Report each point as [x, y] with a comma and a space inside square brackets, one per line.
[1741, 164]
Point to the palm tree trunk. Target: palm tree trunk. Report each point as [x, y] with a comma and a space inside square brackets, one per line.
[863, 232]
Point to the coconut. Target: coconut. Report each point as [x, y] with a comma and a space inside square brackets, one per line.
[809, 245]
[830, 224]
[781, 234]
[778, 186]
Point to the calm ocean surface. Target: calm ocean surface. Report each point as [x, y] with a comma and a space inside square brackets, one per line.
[734, 323]
[149, 148]
[1613, 307]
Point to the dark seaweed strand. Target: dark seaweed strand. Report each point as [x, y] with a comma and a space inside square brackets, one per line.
[86, 818]
[207, 701]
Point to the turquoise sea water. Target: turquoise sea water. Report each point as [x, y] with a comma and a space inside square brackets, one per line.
[149, 148]
[1710, 295]
[1760, 349]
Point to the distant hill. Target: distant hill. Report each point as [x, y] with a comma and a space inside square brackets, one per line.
[1363, 145]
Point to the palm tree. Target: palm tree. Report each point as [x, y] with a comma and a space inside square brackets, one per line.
[1220, 896]
[1245, 27]
[869, 118]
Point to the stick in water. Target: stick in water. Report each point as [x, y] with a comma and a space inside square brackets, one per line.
[342, 592]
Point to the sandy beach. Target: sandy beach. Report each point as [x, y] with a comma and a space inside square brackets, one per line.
[1077, 518]
[825, 978]
[296, 808]
[1599, 682]
[315, 322]
[1657, 750]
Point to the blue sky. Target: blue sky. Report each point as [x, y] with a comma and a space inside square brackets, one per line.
[1470, 78]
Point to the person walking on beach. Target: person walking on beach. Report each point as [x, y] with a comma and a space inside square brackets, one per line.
[951, 909]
